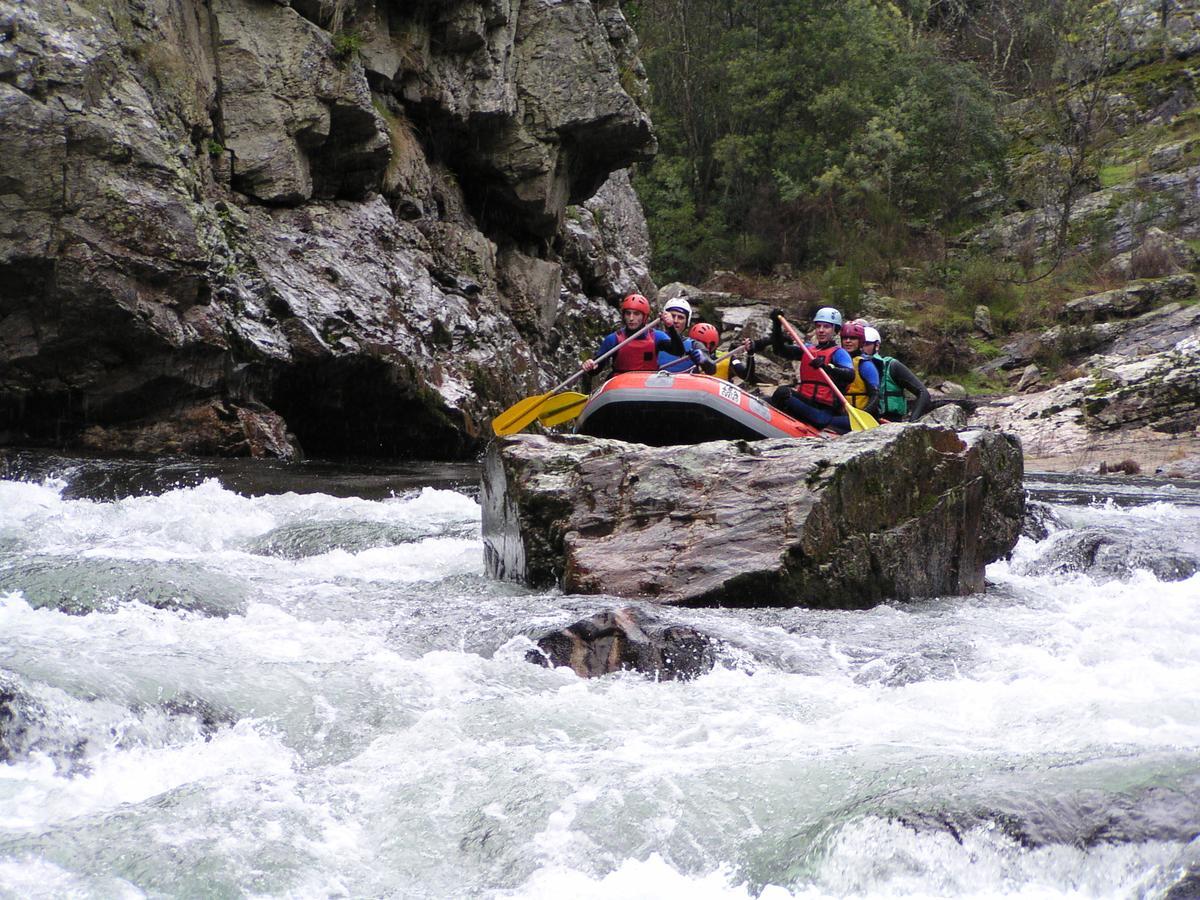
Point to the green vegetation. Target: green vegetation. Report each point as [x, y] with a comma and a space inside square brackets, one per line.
[858, 144]
[797, 130]
[347, 44]
[1118, 174]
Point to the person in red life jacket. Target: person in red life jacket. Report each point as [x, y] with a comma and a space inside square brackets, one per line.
[638, 354]
[895, 379]
[863, 391]
[677, 313]
[811, 400]
[708, 337]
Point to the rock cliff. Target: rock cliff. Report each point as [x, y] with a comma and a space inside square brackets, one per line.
[358, 227]
[897, 512]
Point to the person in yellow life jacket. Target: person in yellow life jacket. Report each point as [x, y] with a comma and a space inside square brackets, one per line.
[637, 354]
[708, 337]
[863, 391]
[895, 379]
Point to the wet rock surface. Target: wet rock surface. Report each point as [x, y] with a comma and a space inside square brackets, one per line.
[229, 229]
[1145, 406]
[1107, 553]
[896, 512]
[626, 639]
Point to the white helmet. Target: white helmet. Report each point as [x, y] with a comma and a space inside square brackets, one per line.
[871, 336]
[680, 304]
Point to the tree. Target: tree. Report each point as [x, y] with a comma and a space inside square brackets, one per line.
[796, 127]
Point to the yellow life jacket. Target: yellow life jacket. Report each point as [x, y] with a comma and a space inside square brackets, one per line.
[856, 393]
[725, 369]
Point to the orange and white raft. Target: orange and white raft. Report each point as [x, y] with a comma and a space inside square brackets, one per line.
[661, 409]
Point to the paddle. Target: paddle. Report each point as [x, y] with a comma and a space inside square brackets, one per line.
[740, 348]
[562, 408]
[860, 419]
[525, 411]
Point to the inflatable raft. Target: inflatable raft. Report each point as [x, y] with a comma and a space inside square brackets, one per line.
[662, 409]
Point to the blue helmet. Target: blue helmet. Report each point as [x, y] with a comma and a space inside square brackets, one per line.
[830, 315]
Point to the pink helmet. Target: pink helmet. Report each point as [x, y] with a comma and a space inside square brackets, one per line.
[852, 329]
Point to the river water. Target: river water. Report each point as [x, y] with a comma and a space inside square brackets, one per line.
[273, 682]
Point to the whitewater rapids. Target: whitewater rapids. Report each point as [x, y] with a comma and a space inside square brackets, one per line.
[204, 692]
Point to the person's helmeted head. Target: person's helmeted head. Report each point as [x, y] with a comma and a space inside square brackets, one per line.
[852, 336]
[871, 341]
[705, 334]
[826, 323]
[680, 312]
[635, 310]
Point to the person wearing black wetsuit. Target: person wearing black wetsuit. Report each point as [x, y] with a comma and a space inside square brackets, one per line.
[895, 379]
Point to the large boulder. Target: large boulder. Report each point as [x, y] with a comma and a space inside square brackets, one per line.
[626, 639]
[892, 513]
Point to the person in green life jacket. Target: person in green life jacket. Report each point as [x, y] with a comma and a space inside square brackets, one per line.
[863, 391]
[708, 337]
[676, 314]
[895, 379]
[636, 354]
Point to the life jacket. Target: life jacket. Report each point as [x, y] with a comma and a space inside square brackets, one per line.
[813, 386]
[856, 391]
[725, 369]
[636, 355]
[892, 402]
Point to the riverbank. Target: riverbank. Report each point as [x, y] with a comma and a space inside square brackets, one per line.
[1163, 455]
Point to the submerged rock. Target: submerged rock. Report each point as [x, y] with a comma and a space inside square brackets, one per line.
[893, 513]
[1109, 552]
[625, 639]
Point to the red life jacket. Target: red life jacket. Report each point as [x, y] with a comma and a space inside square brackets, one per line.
[813, 386]
[637, 355]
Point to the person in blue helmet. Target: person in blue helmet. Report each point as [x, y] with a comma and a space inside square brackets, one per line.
[812, 400]
[677, 313]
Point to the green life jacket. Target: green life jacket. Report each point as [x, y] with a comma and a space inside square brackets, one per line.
[892, 402]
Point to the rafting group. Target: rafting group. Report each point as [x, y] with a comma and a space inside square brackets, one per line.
[667, 384]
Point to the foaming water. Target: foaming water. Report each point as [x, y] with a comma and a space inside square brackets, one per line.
[297, 694]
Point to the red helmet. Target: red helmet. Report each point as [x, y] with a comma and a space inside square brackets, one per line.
[706, 334]
[636, 302]
[853, 329]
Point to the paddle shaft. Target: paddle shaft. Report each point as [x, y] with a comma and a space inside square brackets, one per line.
[799, 341]
[724, 356]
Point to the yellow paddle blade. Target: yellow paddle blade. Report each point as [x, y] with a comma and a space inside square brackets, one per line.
[860, 419]
[518, 415]
[562, 408]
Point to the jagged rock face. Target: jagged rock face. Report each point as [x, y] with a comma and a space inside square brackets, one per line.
[343, 237]
[1120, 405]
[895, 512]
